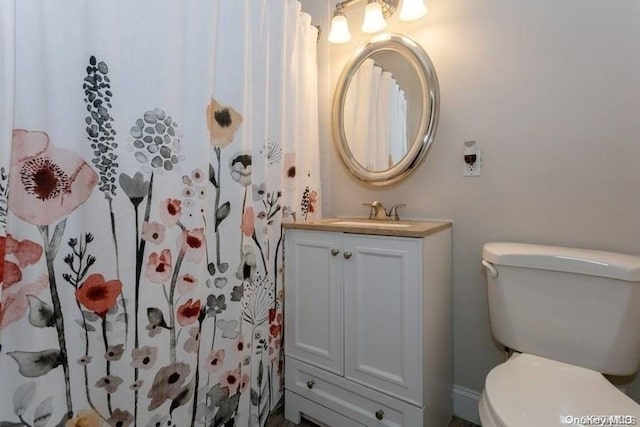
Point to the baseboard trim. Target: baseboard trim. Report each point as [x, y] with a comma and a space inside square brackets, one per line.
[465, 404]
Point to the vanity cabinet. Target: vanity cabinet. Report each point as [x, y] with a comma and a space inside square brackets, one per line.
[368, 328]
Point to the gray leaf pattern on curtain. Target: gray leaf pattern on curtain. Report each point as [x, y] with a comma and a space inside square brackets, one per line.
[140, 229]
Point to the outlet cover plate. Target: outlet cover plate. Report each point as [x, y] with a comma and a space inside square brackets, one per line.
[473, 169]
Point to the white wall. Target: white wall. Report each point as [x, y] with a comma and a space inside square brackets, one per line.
[551, 91]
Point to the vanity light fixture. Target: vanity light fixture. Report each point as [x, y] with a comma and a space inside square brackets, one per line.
[339, 27]
[375, 14]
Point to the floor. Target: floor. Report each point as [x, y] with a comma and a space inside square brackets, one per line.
[277, 420]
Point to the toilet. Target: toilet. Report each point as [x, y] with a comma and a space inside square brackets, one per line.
[570, 315]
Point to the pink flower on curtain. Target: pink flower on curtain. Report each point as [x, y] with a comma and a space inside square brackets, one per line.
[170, 211]
[275, 323]
[46, 183]
[239, 344]
[248, 222]
[231, 380]
[153, 232]
[159, 267]
[188, 312]
[187, 283]
[14, 302]
[313, 201]
[214, 361]
[24, 252]
[10, 274]
[192, 243]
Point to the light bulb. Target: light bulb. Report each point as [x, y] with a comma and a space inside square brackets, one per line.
[339, 30]
[373, 19]
[339, 27]
[412, 10]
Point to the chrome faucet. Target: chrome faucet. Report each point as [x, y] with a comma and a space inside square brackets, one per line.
[379, 213]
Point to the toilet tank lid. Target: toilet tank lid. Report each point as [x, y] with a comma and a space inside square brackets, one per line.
[571, 260]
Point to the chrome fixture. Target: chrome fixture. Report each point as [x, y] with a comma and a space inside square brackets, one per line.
[378, 211]
[375, 14]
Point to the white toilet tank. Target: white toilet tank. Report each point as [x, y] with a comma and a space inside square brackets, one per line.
[571, 305]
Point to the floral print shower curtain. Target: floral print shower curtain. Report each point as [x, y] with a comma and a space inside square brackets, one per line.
[149, 154]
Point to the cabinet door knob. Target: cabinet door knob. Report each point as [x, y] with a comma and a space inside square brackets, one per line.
[335, 252]
[310, 384]
[379, 414]
[347, 255]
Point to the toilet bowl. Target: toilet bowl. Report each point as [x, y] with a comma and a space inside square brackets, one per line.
[532, 391]
[572, 315]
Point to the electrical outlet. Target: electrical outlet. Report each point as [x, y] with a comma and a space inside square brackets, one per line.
[472, 159]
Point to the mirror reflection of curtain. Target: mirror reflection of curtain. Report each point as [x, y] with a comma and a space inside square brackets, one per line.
[398, 122]
[376, 117]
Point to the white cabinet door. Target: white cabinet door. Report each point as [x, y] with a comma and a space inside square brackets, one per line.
[383, 314]
[314, 299]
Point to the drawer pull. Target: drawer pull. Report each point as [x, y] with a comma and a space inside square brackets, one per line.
[347, 255]
[335, 252]
[379, 414]
[310, 384]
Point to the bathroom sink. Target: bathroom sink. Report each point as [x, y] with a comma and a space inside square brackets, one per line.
[382, 224]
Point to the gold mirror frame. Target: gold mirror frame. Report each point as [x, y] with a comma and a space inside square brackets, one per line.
[417, 152]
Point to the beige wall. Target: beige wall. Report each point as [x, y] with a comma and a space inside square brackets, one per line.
[551, 91]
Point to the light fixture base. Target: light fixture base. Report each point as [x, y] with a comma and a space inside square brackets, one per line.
[389, 7]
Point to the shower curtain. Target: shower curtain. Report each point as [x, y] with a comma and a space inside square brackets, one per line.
[149, 154]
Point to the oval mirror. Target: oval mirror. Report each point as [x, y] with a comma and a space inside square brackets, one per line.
[385, 109]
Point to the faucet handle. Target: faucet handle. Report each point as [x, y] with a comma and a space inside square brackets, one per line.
[393, 212]
[377, 210]
[374, 204]
[372, 212]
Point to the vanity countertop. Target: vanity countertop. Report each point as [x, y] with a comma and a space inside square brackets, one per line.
[403, 228]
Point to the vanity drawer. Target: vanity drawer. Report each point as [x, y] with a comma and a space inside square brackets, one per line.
[296, 407]
[351, 400]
